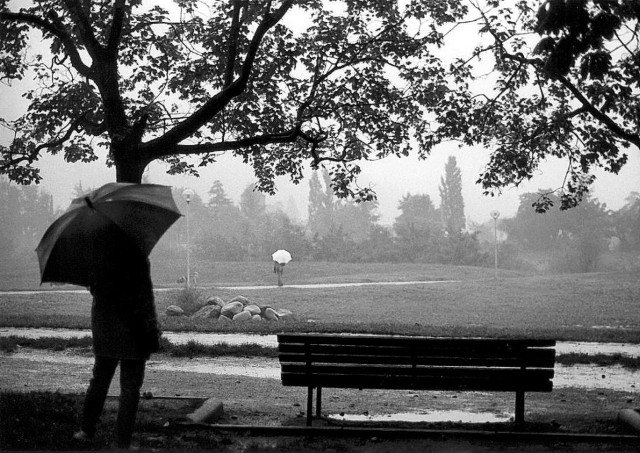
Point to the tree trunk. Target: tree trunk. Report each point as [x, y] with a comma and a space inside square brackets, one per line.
[129, 161]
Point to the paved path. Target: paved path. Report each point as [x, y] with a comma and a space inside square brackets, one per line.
[245, 288]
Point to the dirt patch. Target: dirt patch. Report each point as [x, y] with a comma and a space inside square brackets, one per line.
[265, 402]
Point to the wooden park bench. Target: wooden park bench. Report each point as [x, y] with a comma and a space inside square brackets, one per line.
[415, 363]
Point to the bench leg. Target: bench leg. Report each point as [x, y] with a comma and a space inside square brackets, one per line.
[318, 402]
[519, 407]
[309, 405]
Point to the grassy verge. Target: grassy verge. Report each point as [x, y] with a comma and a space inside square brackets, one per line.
[193, 349]
[189, 349]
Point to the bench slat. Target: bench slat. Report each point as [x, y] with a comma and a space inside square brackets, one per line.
[362, 354]
[543, 361]
[409, 341]
[417, 348]
[442, 372]
[370, 381]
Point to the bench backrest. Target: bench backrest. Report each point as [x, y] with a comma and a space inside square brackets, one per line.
[410, 362]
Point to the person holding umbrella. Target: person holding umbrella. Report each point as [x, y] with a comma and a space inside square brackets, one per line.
[125, 332]
[102, 242]
[280, 258]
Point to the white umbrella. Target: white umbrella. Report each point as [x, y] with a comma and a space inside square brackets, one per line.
[281, 256]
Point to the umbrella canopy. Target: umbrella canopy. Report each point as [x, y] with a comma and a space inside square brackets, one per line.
[115, 216]
[281, 256]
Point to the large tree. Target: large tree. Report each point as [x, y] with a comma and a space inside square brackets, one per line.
[567, 85]
[276, 82]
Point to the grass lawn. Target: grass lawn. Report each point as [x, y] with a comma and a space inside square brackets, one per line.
[597, 307]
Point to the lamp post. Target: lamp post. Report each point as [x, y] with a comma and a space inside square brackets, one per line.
[495, 215]
[188, 195]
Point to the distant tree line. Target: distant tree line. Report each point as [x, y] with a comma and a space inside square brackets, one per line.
[25, 213]
[341, 230]
[336, 229]
[572, 240]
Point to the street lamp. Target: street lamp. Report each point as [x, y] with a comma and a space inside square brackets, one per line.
[495, 215]
[188, 195]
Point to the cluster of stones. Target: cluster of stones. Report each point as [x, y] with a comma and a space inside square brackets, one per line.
[237, 309]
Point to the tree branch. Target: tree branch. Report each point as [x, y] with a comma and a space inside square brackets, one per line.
[266, 139]
[592, 109]
[72, 128]
[116, 27]
[234, 33]
[220, 100]
[539, 64]
[84, 27]
[55, 30]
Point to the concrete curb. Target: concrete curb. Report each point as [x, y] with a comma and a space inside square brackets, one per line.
[537, 437]
[631, 418]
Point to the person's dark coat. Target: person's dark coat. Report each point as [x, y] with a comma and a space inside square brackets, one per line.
[124, 322]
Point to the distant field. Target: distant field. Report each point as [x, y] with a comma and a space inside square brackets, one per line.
[25, 275]
[601, 306]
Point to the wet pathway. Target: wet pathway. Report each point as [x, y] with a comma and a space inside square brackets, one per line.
[562, 347]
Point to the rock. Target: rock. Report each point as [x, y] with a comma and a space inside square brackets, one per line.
[257, 318]
[208, 311]
[223, 318]
[241, 299]
[210, 411]
[215, 300]
[271, 314]
[231, 309]
[242, 316]
[253, 309]
[174, 310]
[285, 315]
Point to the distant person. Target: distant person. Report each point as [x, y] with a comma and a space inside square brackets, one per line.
[125, 331]
[280, 258]
[278, 268]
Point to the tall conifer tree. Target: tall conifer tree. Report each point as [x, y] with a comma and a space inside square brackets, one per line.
[451, 200]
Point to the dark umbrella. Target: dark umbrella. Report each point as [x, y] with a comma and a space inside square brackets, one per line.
[117, 215]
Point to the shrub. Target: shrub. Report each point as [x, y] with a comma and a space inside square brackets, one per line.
[189, 299]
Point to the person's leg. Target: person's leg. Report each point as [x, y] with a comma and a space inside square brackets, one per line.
[103, 370]
[279, 272]
[131, 378]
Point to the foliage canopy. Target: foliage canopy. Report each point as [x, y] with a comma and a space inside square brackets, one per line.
[279, 83]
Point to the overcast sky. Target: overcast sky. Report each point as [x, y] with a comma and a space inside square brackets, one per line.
[391, 178]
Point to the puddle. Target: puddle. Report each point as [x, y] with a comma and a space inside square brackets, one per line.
[255, 367]
[215, 338]
[626, 349]
[40, 333]
[248, 367]
[612, 377]
[427, 416]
